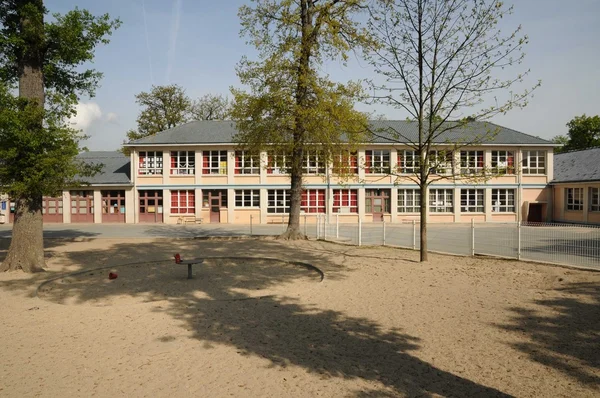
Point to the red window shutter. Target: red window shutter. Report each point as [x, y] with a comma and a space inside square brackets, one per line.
[304, 199]
[270, 165]
[238, 162]
[354, 201]
[174, 202]
[354, 163]
[368, 155]
[205, 162]
[336, 198]
[510, 160]
[400, 165]
[480, 160]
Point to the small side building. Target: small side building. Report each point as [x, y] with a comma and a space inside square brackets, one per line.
[576, 187]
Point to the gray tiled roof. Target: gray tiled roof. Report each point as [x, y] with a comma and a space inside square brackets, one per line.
[116, 169]
[577, 166]
[384, 131]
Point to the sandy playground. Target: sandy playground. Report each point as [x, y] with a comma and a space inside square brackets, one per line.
[374, 323]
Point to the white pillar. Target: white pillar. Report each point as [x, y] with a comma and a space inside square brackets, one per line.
[457, 209]
[263, 205]
[130, 208]
[230, 206]
[97, 206]
[394, 204]
[66, 208]
[166, 167]
[361, 203]
[487, 197]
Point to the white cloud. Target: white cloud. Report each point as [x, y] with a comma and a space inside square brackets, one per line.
[111, 117]
[87, 114]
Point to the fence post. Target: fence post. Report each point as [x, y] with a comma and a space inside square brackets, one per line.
[359, 232]
[337, 225]
[384, 231]
[472, 237]
[282, 221]
[251, 216]
[414, 234]
[317, 226]
[304, 224]
[518, 240]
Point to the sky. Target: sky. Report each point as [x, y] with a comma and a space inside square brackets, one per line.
[196, 44]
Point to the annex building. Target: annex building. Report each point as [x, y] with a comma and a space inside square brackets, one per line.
[195, 173]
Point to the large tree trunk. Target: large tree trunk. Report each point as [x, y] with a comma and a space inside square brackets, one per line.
[423, 219]
[26, 250]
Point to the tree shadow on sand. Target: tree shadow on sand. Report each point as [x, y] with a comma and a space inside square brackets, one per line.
[282, 329]
[569, 339]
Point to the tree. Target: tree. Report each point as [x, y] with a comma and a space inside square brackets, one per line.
[164, 107]
[210, 107]
[562, 140]
[38, 146]
[584, 133]
[290, 106]
[437, 59]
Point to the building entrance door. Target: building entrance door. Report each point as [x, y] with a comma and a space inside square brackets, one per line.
[215, 200]
[151, 206]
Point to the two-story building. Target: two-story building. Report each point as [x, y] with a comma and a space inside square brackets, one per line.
[195, 171]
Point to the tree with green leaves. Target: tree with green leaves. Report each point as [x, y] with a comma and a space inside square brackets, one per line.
[439, 61]
[164, 107]
[41, 61]
[289, 107]
[210, 107]
[584, 133]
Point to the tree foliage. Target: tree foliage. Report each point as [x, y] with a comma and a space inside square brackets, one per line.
[439, 62]
[210, 107]
[288, 104]
[45, 62]
[584, 133]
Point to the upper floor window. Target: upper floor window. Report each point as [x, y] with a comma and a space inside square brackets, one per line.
[471, 162]
[440, 162]
[408, 161]
[150, 163]
[277, 164]
[574, 198]
[246, 163]
[346, 163]
[534, 162]
[440, 201]
[313, 201]
[214, 162]
[472, 200]
[345, 201]
[595, 199]
[311, 164]
[503, 200]
[503, 162]
[377, 161]
[183, 162]
[409, 201]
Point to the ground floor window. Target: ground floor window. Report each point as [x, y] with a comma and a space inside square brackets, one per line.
[377, 200]
[472, 200]
[409, 201]
[313, 201]
[278, 200]
[183, 202]
[441, 201]
[214, 197]
[82, 202]
[574, 198]
[503, 200]
[345, 201]
[595, 199]
[247, 198]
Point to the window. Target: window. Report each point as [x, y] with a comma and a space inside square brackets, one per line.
[214, 162]
[534, 162]
[503, 162]
[440, 201]
[150, 163]
[345, 201]
[377, 161]
[214, 197]
[246, 163]
[247, 198]
[377, 200]
[277, 164]
[409, 201]
[574, 198]
[313, 201]
[594, 199]
[183, 202]
[408, 162]
[346, 163]
[440, 162]
[471, 201]
[503, 200]
[278, 200]
[183, 162]
[471, 162]
[311, 164]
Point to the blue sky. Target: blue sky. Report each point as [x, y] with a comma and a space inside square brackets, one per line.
[196, 44]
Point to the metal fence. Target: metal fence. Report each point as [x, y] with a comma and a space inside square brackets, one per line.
[567, 244]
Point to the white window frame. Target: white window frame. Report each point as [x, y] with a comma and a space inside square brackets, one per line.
[574, 199]
[409, 163]
[278, 201]
[409, 201]
[500, 162]
[380, 161]
[441, 200]
[312, 205]
[594, 199]
[469, 160]
[441, 168]
[503, 200]
[472, 200]
[346, 163]
[215, 160]
[277, 164]
[345, 205]
[311, 164]
[150, 163]
[534, 163]
[249, 164]
[247, 198]
[185, 162]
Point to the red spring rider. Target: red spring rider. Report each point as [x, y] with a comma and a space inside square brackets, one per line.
[177, 258]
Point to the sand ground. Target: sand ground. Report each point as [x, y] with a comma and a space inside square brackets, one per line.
[378, 324]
